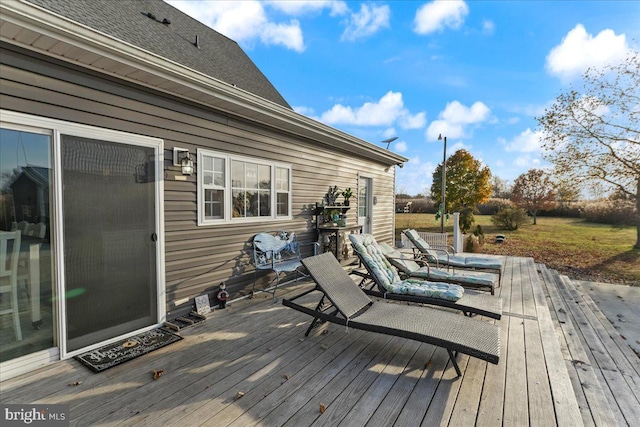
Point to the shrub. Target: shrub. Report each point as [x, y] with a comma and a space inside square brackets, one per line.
[563, 211]
[473, 243]
[492, 206]
[619, 212]
[466, 219]
[424, 206]
[509, 218]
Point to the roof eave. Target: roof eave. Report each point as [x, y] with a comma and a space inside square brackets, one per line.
[120, 58]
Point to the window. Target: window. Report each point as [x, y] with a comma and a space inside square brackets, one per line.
[233, 188]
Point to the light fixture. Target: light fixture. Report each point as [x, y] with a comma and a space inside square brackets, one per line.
[444, 181]
[182, 158]
[388, 141]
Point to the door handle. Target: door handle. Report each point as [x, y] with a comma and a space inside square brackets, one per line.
[154, 237]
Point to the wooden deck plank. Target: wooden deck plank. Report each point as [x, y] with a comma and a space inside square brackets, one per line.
[599, 409]
[541, 410]
[185, 372]
[626, 397]
[516, 411]
[272, 386]
[309, 412]
[417, 404]
[566, 407]
[465, 410]
[441, 406]
[342, 404]
[493, 397]
[363, 378]
[226, 378]
[396, 399]
[609, 330]
[377, 391]
[301, 392]
[625, 359]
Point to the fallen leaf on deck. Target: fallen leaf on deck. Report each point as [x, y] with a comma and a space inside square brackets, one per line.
[75, 383]
[238, 395]
[157, 374]
[287, 376]
[322, 408]
[324, 346]
[426, 365]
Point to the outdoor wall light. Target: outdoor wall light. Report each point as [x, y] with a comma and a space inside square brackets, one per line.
[182, 158]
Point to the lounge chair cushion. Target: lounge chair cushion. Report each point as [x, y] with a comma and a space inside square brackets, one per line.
[388, 276]
[411, 268]
[452, 260]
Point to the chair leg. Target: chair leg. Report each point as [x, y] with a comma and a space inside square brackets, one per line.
[16, 313]
[452, 357]
[276, 287]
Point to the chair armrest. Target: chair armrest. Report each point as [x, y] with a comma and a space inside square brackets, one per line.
[446, 248]
[419, 261]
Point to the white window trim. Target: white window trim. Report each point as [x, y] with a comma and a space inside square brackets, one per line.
[228, 219]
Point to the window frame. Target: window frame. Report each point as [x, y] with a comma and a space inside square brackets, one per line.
[227, 214]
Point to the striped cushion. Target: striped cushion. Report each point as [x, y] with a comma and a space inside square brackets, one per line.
[387, 276]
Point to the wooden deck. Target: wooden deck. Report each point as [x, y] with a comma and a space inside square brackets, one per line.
[258, 348]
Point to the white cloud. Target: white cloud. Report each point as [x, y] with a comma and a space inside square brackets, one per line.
[244, 22]
[400, 147]
[527, 142]
[387, 111]
[415, 177]
[580, 50]
[488, 27]
[416, 121]
[368, 21]
[437, 15]
[526, 161]
[300, 7]
[455, 118]
[389, 132]
[305, 111]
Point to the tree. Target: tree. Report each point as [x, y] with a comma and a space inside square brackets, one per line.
[509, 218]
[592, 134]
[566, 192]
[533, 191]
[501, 188]
[468, 182]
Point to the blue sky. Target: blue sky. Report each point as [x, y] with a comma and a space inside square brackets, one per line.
[477, 72]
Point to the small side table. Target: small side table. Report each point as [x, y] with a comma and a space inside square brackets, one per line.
[335, 232]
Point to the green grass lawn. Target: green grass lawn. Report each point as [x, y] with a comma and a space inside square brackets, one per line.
[580, 249]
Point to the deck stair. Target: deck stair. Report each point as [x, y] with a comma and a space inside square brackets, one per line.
[604, 370]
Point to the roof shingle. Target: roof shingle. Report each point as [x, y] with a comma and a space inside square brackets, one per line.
[128, 20]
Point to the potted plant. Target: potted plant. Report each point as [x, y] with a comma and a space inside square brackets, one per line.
[347, 193]
[332, 195]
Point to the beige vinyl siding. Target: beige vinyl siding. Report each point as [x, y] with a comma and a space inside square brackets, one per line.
[197, 258]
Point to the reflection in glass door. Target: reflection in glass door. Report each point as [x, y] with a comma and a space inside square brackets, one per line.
[26, 286]
[109, 204]
[364, 204]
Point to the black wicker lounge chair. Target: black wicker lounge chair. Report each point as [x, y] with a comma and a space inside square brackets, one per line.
[382, 280]
[344, 303]
[441, 256]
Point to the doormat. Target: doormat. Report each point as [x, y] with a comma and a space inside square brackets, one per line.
[127, 349]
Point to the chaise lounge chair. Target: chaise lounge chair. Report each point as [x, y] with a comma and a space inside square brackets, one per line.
[383, 281]
[441, 256]
[350, 306]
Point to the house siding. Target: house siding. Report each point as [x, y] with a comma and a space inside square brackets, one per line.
[197, 258]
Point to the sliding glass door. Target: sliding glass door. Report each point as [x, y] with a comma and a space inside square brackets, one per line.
[109, 229]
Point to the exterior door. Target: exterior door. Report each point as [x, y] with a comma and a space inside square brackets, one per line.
[110, 230]
[364, 203]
